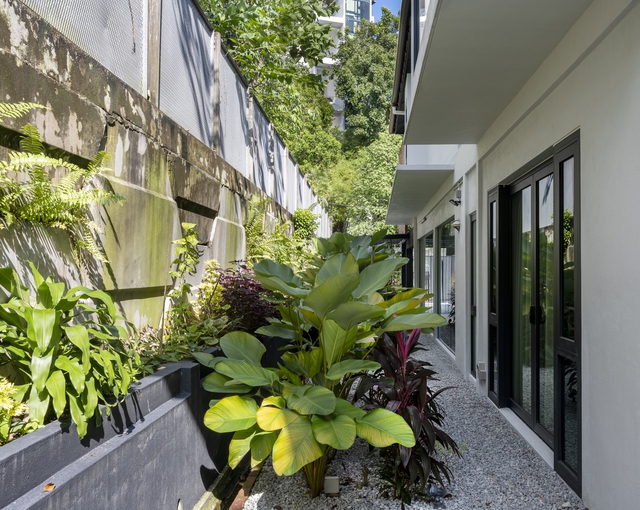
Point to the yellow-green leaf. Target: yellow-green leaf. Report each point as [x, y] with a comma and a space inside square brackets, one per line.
[333, 291]
[272, 418]
[313, 400]
[240, 445]
[382, 428]
[350, 366]
[78, 417]
[261, 446]
[231, 414]
[295, 447]
[348, 409]
[338, 432]
[218, 383]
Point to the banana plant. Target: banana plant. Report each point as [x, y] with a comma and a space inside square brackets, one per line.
[65, 347]
[332, 315]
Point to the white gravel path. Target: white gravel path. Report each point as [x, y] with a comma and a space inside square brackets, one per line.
[498, 470]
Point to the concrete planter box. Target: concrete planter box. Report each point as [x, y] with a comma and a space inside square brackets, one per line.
[153, 452]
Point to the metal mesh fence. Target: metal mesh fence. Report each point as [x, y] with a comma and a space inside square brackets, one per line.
[279, 170]
[113, 33]
[186, 68]
[292, 184]
[234, 114]
[262, 170]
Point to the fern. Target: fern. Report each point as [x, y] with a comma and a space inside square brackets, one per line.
[17, 110]
[27, 192]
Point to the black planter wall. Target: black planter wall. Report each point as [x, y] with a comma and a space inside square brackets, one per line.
[151, 453]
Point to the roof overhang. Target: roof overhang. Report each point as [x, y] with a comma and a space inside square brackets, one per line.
[413, 187]
[474, 58]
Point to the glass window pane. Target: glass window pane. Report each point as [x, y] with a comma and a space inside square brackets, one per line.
[447, 294]
[493, 367]
[521, 292]
[546, 293]
[429, 267]
[570, 414]
[568, 247]
[493, 277]
[473, 295]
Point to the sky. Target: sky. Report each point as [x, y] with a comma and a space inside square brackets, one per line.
[392, 5]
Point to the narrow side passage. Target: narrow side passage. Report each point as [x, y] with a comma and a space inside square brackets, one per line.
[499, 469]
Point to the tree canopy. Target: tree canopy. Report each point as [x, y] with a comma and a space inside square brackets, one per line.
[364, 73]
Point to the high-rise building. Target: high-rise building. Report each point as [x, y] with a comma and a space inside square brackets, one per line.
[348, 16]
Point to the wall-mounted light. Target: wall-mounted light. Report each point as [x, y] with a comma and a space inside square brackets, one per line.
[456, 224]
[458, 200]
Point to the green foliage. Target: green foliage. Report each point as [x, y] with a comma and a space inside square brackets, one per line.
[271, 239]
[372, 185]
[305, 223]
[315, 150]
[65, 347]
[188, 326]
[13, 420]
[274, 44]
[364, 74]
[331, 315]
[17, 110]
[28, 193]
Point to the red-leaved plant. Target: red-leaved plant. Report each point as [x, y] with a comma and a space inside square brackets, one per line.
[402, 385]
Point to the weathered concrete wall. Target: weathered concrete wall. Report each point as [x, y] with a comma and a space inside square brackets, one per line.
[152, 452]
[164, 173]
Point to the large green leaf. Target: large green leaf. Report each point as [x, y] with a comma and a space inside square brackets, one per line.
[407, 297]
[96, 295]
[206, 359]
[295, 447]
[350, 366]
[75, 371]
[277, 330]
[240, 445]
[333, 291]
[41, 327]
[38, 404]
[411, 321]
[218, 383]
[242, 346]
[10, 280]
[40, 367]
[56, 386]
[348, 409]
[90, 397]
[231, 414]
[272, 418]
[269, 268]
[353, 313]
[79, 337]
[338, 432]
[261, 446]
[246, 373]
[335, 341]
[78, 417]
[382, 428]
[313, 400]
[342, 263]
[376, 276]
[312, 361]
[280, 278]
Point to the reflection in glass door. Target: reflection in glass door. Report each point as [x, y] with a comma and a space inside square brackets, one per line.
[533, 292]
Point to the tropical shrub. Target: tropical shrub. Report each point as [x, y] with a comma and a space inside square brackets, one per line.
[27, 192]
[245, 300]
[305, 223]
[66, 349]
[13, 422]
[303, 410]
[272, 239]
[402, 385]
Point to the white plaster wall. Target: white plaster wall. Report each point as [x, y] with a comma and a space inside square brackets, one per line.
[592, 83]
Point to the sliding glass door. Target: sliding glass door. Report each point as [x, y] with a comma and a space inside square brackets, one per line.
[533, 291]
